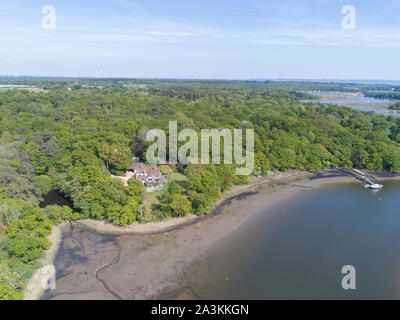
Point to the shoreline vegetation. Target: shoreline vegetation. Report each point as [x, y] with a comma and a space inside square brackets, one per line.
[226, 216]
[34, 290]
[73, 137]
[172, 223]
[34, 287]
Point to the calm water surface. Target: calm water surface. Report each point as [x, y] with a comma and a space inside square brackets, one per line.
[297, 251]
[357, 102]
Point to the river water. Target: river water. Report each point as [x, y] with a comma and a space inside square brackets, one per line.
[355, 101]
[294, 250]
[298, 251]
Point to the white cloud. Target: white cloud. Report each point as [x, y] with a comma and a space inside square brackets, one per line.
[278, 31]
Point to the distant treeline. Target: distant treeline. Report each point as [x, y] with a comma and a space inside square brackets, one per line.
[288, 85]
[72, 137]
[395, 106]
[383, 95]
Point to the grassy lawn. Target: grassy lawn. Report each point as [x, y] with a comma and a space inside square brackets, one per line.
[151, 198]
[177, 177]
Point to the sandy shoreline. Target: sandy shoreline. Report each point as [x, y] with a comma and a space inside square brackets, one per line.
[172, 223]
[163, 226]
[34, 288]
[148, 262]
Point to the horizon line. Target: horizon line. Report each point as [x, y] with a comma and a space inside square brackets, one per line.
[277, 79]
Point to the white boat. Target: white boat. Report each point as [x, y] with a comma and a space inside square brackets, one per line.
[373, 186]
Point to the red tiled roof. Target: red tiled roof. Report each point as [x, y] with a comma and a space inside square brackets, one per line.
[142, 168]
[154, 172]
[137, 166]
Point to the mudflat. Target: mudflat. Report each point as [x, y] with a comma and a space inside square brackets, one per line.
[154, 265]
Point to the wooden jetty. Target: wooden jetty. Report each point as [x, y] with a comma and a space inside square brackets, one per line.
[368, 180]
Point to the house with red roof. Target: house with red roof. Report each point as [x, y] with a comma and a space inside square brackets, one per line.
[140, 171]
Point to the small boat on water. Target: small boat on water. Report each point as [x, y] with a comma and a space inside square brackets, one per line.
[373, 186]
[369, 181]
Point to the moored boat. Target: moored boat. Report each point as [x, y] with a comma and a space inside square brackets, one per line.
[373, 186]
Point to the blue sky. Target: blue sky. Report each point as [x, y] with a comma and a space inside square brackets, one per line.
[227, 39]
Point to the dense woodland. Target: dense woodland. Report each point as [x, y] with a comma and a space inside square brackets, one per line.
[395, 95]
[73, 134]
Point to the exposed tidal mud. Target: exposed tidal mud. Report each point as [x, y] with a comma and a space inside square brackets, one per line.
[91, 265]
